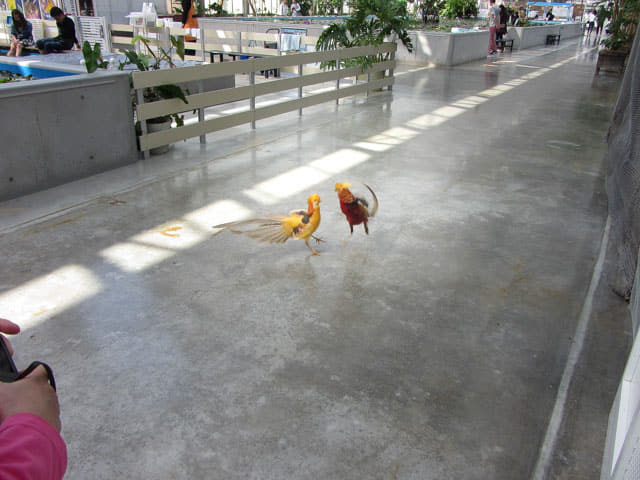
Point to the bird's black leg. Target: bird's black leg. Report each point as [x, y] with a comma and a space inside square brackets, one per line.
[366, 228]
[351, 227]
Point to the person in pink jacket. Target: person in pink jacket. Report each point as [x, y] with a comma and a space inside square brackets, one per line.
[31, 447]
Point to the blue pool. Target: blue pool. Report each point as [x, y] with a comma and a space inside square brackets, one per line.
[34, 71]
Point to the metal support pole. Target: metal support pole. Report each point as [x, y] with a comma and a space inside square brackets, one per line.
[393, 58]
[202, 44]
[338, 81]
[300, 88]
[368, 82]
[252, 101]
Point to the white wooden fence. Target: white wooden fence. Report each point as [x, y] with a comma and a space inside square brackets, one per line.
[201, 41]
[202, 100]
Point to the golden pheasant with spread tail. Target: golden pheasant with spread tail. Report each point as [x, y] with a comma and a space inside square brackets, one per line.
[299, 225]
[356, 209]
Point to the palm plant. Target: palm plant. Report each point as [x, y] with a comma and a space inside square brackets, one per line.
[371, 21]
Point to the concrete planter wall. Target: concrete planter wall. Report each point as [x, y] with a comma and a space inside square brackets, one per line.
[527, 37]
[57, 130]
[438, 48]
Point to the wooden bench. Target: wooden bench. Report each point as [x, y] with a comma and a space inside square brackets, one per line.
[505, 43]
[553, 39]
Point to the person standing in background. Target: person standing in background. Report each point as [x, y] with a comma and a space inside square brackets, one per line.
[494, 19]
[186, 6]
[591, 20]
[283, 8]
[295, 8]
[501, 29]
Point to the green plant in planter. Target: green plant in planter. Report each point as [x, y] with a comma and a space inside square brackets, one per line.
[430, 10]
[371, 21]
[217, 10]
[305, 7]
[92, 57]
[459, 9]
[154, 61]
[624, 23]
[327, 7]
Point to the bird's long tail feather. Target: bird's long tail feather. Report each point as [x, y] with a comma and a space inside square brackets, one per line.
[374, 208]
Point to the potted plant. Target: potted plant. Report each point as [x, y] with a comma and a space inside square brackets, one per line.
[155, 61]
[371, 21]
[622, 29]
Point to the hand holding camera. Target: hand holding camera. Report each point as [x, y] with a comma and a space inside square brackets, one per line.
[30, 391]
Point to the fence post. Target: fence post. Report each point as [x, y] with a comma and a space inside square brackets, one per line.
[143, 123]
[252, 100]
[300, 88]
[203, 137]
[202, 46]
[368, 81]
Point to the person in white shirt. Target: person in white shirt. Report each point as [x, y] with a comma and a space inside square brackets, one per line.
[295, 8]
[283, 8]
[591, 20]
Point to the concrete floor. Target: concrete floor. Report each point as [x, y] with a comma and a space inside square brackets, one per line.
[434, 348]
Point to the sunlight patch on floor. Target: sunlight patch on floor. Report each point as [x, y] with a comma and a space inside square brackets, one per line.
[48, 295]
[132, 257]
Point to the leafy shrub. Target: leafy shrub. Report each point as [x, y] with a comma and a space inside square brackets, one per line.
[460, 9]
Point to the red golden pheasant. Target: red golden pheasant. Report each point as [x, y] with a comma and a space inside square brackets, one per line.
[356, 209]
[299, 224]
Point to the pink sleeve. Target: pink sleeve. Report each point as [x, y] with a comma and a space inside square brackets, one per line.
[31, 449]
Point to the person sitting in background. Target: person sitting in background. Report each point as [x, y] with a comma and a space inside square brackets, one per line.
[30, 443]
[21, 33]
[66, 34]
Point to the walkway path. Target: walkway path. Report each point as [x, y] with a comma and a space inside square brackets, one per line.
[434, 348]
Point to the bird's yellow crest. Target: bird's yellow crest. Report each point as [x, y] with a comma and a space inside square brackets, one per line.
[341, 186]
[313, 199]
